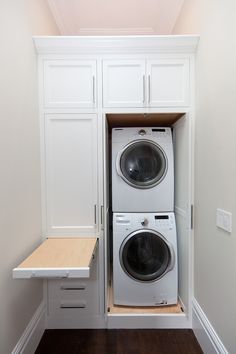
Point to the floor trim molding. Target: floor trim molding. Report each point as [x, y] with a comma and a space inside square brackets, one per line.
[30, 338]
[205, 333]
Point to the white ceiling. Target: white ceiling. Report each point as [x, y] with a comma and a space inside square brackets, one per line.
[113, 17]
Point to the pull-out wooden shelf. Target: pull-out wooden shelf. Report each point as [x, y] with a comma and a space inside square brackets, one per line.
[59, 258]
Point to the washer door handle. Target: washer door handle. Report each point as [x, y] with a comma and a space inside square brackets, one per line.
[172, 257]
[118, 169]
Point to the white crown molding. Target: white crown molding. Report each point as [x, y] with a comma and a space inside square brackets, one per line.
[30, 338]
[57, 16]
[205, 333]
[99, 31]
[175, 16]
[115, 44]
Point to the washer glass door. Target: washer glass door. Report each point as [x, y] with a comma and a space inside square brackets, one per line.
[146, 256]
[143, 164]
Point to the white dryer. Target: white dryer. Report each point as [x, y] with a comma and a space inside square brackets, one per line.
[142, 170]
[145, 266]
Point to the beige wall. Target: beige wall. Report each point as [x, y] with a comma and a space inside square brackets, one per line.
[215, 164]
[20, 210]
[113, 17]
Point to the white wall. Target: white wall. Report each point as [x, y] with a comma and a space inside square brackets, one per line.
[215, 167]
[20, 210]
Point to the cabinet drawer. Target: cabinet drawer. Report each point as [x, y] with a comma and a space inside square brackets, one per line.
[73, 296]
[72, 306]
[71, 289]
[79, 295]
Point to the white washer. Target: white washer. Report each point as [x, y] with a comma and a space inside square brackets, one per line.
[145, 265]
[142, 170]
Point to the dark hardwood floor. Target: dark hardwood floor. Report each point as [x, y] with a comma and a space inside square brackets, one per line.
[119, 341]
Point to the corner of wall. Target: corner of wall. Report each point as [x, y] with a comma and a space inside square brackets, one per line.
[28, 342]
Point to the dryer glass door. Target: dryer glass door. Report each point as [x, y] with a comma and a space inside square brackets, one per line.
[143, 164]
[145, 255]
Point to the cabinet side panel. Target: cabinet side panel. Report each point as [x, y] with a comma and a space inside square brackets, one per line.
[182, 203]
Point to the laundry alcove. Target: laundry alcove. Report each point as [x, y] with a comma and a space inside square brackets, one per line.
[181, 132]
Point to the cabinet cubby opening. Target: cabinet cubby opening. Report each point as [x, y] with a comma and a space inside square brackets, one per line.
[118, 120]
[176, 121]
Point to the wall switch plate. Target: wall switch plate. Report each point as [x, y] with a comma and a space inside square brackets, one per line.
[224, 220]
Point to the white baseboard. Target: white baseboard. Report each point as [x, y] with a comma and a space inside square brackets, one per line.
[205, 333]
[148, 321]
[30, 339]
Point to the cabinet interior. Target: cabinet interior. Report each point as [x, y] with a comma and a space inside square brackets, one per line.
[142, 119]
[181, 130]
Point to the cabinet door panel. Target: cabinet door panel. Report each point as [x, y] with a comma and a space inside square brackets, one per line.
[71, 173]
[168, 82]
[123, 83]
[70, 83]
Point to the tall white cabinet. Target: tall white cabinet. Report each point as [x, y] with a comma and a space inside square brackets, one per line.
[71, 174]
[87, 86]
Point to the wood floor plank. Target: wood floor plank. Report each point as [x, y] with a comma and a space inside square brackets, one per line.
[119, 341]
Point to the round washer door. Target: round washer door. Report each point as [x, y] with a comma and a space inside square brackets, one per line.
[142, 164]
[146, 256]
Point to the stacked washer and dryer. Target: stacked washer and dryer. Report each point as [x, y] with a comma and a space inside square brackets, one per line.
[144, 232]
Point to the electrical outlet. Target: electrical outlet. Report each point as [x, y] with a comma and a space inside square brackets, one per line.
[224, 220]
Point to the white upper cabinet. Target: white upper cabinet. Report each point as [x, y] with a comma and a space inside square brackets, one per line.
[146, 83]
[71, 158]
[70, 83]
[168, 82]
[123, 83]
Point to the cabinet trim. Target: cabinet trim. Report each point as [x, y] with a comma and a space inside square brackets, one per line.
[115, 44]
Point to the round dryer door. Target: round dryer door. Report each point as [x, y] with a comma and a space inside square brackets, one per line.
[142, 164]
[146, 256]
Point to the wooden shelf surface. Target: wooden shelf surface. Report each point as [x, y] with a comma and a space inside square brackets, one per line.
[116, 120]
[72, 256]
[118, 309]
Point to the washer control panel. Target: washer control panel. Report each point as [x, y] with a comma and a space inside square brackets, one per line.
[136, 221]
[164, 221]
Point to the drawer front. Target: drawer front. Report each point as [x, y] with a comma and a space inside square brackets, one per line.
[72, 297]
[73, 307]
[68, 297]
[72, 289]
